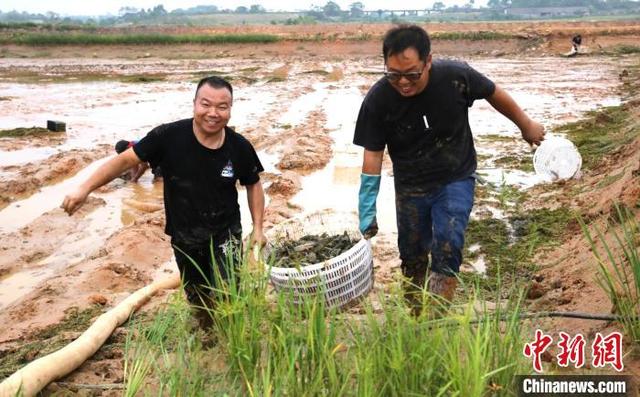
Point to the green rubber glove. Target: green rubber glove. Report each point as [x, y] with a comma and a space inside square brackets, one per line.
[369, 188]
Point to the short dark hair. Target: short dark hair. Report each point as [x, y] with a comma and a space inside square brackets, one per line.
[215, 82]
[122, 145]
[401, 37]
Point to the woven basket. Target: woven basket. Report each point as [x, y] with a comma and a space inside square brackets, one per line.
[343, 278]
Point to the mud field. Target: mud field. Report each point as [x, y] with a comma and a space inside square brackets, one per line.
[297, 103]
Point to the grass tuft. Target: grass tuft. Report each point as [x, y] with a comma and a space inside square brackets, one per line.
[618, 264]
[22, 132]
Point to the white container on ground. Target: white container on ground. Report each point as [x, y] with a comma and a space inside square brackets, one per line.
[343, 278]
[557, 158]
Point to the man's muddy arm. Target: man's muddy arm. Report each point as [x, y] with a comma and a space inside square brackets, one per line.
[532, 131]
[103, 175]
[140, 170]
[372, 162]
[255, 199]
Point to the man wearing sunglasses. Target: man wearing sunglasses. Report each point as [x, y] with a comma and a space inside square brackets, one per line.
[419, 112]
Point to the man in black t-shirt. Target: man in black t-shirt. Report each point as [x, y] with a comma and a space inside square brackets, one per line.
[419, 112]
[201, 160]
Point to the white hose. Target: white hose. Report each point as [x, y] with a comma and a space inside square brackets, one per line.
[32, 378]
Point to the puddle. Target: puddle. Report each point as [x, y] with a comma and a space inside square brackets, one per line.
[74, 248]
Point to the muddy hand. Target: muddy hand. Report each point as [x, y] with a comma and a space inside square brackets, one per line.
[73, 201]
[533, 133]
[371, 230]
[258, 238]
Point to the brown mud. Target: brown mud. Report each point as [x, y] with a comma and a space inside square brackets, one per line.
[24, 180]
[140, 251]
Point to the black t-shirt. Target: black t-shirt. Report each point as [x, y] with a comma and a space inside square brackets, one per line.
[428, 135]
[200, 195]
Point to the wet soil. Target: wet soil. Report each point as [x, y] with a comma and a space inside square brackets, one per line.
[54, 262]
[24, 180]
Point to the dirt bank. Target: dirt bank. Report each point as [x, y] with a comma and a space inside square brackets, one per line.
[362, 40]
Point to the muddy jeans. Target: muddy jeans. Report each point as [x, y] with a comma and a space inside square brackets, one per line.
[199, 280]
[433, 223]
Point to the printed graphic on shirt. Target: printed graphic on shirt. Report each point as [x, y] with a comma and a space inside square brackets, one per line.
[227, 171]
[426, 122]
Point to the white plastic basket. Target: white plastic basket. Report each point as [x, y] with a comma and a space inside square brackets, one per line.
[343, 278]
[557, 158]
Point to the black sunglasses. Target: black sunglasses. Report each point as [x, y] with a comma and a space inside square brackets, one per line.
[396, 76]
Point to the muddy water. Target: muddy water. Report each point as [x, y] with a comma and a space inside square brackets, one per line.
[551, 90]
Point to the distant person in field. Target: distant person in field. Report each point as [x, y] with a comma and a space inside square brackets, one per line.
[419, 111]
[201, 160]
[576, 42]
[135, 172]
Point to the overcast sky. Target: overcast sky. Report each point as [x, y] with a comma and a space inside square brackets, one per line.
[101, 7]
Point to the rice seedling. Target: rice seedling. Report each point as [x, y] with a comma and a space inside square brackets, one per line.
[268, 346]
[618, 263]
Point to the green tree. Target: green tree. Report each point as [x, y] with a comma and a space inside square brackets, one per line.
[127, 10]
[439, 6]
[331, 9]
[241, 10]
[157, 11]
[356, 9]
[256, 9]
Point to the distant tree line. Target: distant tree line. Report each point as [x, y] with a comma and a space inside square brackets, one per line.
[598, 4]
[331, 11]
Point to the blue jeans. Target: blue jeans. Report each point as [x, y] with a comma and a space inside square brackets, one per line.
[434, 223]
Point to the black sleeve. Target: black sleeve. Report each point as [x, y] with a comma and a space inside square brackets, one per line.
[250, 165]
[149, 148]
[369, 132]
[479, 87]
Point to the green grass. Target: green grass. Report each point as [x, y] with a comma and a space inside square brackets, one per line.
[48, 339]
[618, 265]
[81, 77]
[610, 179]
[509, 245]
[52, 39]
[473, 36]
[523, 162]
[626, 49]
[22, 132]
[498, 137]
[142, 78]
[602, 133]
[267, 346]
[317, 71]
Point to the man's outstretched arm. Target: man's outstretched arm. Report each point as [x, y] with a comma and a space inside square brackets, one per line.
[532, 131]
[255, 199]
[103, 175]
